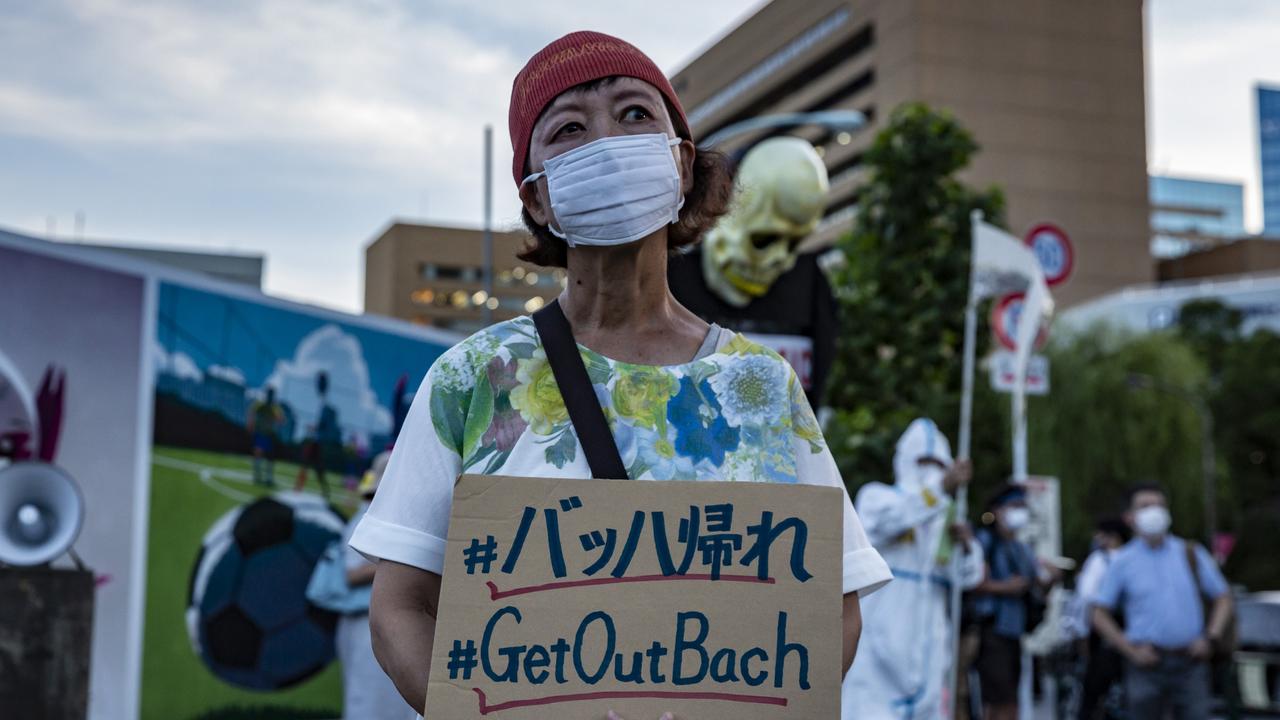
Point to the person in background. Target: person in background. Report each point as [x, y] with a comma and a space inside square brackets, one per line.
[323, 449]
[264, 421]
[1158, 581]
[1102, 663]
[906, 644]
[367, 692]
[1005, 603]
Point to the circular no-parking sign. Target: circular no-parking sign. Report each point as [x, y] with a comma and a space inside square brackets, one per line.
[1053, 249]
[1004, 322]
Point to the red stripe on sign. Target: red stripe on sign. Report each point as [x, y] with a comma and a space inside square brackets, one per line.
[486, 708]
[496, 594]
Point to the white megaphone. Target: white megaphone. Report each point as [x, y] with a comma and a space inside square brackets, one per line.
[41, 512]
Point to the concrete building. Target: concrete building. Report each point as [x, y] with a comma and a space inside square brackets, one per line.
[434, 275]
[1188, 214]
[1053, 92]
[1269, 156]
[242, 268]
[1245, 256]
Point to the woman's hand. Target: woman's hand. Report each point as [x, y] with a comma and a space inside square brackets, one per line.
[665, 716]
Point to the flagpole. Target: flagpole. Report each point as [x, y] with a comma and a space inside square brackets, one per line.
[970, 350]
[963, 441]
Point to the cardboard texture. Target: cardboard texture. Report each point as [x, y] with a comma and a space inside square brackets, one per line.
[561, 601]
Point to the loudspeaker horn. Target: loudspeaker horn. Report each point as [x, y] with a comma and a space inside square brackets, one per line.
[41, 512]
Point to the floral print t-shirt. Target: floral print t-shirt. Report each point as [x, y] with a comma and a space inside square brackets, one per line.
[491, 406]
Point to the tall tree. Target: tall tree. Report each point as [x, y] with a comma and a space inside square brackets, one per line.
[902, 290]
[1245, 399]
[1246, 407]
[1210, 328]
[1099, 432]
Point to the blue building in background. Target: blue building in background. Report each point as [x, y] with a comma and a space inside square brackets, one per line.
[1189, 214]
[1269, 156]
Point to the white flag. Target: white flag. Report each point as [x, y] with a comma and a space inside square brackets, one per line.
[1003, 265]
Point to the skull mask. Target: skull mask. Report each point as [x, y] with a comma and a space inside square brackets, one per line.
[780, 194]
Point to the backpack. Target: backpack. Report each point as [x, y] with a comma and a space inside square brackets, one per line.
[1224, 649]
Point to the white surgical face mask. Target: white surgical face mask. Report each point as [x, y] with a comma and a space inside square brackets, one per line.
[614, 190]
[1152, 521]
[1016, 518]
[931, 477]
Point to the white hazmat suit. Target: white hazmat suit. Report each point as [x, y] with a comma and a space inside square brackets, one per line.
[905, 651]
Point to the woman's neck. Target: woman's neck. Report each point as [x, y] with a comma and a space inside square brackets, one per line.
[620, 287]
[618, 304]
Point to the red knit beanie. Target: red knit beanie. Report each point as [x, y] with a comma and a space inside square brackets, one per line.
[574, 59]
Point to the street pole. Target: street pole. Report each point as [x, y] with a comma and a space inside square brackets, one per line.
[1019, 408]
[488, 224]
[1208, 472]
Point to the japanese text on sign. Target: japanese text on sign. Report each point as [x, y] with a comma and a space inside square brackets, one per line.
[585, 596]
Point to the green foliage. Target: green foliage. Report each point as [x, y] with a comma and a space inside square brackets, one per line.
[1210, 327]
[1245, 400]
[901, 296]
[902, 290]
[1100, 435]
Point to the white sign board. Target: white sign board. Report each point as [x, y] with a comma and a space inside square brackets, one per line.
[1044, 531]
[1003, 376]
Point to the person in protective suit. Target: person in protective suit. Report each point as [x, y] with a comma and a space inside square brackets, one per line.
[906, 648]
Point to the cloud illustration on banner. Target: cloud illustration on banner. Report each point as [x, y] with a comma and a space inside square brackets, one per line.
[178, 364]
[341, 357]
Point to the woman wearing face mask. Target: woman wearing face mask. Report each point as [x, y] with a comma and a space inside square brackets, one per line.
[611, 183]
[1006, 602]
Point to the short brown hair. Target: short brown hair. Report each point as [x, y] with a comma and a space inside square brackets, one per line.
[705, 202]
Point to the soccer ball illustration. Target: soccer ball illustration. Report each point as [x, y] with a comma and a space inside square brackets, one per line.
[247, 613]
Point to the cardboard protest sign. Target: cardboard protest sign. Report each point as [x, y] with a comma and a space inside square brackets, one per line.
[569, 598]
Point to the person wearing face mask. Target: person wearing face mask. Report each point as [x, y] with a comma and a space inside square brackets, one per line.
[1102, 663]
[906, 648]
[1005, 602]
[1159, 581]
[614, 379]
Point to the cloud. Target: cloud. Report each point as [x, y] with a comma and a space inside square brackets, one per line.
[292, 127]
[178, 364]
[339, 355]
[363, 81]
[228, 374]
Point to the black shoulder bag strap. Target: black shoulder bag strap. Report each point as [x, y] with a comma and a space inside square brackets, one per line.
[579, 399]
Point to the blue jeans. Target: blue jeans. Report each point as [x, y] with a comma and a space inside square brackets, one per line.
[1176, 684]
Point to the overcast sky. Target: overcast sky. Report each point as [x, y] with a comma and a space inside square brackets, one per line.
[299, 129]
